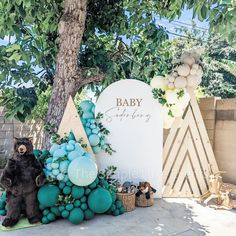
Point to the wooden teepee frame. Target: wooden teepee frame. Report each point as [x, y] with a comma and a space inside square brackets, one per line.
[188, 155]
[71, 122]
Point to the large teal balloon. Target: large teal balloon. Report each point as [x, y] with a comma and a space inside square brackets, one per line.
[48, 195]
[100, 200]
[82, 171]
[76, 216]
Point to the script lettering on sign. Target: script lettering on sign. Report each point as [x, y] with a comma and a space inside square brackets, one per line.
[127, 108]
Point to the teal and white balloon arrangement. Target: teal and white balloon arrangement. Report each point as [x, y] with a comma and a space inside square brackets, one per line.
[96, 132]
[172, 90]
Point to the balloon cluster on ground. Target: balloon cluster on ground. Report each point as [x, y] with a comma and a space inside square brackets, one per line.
[171, 91]
[74, 190]
[77, 203]
[93, 127]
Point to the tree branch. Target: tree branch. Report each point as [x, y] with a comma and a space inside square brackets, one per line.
[90, 79]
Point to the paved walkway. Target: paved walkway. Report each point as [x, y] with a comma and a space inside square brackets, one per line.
[182, 217]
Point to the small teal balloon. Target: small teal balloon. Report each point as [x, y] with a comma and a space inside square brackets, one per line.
[82, 171]
[72, 142]
[59, 153]
[95, 131]
[49, 160]
[60, 177]
[70, 147]
[83, 121]
[55, 165]
[93, 126]
[53, 148]
[94, 140]
[48, 166]
[92, 121]
[65, 178]
[88, 115]
[88, 131]
[79, 148]
[96, 149]
[64, 166]
[74, 154]
[86, 105]
[55, 172]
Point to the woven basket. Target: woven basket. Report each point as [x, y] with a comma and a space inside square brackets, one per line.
[141, 201]
[128, 200]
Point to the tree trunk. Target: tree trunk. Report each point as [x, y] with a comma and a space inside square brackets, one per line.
[67, 78]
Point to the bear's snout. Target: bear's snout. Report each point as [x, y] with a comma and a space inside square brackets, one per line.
[22, 149]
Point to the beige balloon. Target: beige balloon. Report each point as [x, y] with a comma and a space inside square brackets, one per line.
[180, 82]
[183, 70]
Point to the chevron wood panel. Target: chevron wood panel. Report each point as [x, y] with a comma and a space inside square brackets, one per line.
[188, 155]
[71, 122]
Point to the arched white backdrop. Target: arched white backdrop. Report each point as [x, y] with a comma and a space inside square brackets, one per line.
[135, 121]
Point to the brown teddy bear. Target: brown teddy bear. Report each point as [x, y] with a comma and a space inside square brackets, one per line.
[21, 177]
[145, 188]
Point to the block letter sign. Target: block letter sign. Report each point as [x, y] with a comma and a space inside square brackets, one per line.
[135, 122]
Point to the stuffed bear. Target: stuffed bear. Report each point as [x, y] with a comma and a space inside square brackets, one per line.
[145, 188]
[21, 178]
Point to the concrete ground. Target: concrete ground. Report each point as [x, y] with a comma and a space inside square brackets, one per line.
[182, 217]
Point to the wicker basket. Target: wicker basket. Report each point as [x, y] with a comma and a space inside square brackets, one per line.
[142, 201]
[128, 200]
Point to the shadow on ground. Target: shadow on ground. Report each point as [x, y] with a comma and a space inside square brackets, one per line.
[166, 218]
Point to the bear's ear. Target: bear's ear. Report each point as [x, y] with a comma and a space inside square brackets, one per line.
[31, 139]
[15, 139]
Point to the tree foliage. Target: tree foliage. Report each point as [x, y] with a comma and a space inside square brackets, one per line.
[121, 38]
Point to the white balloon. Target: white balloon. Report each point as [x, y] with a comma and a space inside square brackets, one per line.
[189, 60]
[171, 85]
[183, 70]
[193, 71]
[180, 82]
[199, 71]
[195, 66]
[158, 82]
[171, 78]
[193, 81]
[171, 97]
[177, 110]
[174, 74]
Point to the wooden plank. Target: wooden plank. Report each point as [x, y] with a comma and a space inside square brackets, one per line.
[71, 122]
[208, 114]
[203, 132]
[226, 104]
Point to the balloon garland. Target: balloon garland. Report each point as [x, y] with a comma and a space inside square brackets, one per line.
[171, 91]
[94, 129]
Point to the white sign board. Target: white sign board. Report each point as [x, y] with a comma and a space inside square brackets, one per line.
[135, 122]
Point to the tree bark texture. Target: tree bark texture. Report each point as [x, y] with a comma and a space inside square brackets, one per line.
[67, 78]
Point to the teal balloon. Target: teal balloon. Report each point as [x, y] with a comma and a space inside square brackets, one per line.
[83, 199]
[71, 136]
[95, 131]
[4, 197]
[69, 207]
[48, 195]
[96, 149]
[77, 192]
[60, 177]
[55, 210]
[94, 139]
[62, 185]
[66, 190]
[72, 142]
[88, 214]
[74, 154]
[100, 200]
[63, 167]
[84, 206]
[53, 148]
[79, 148]
[70, 147]
[82, 171]
[83, 121]
[59, 153]
[48, 166]
[86, 105]
[93, 126]
[92, 121]
[55, 165]
[65, 213]
[88, 131]
[3, 212]
[76, 216]
[88, 115]
[55, 172]
[49, 160]
[77, 203]
[51, 216]
[45, 220]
